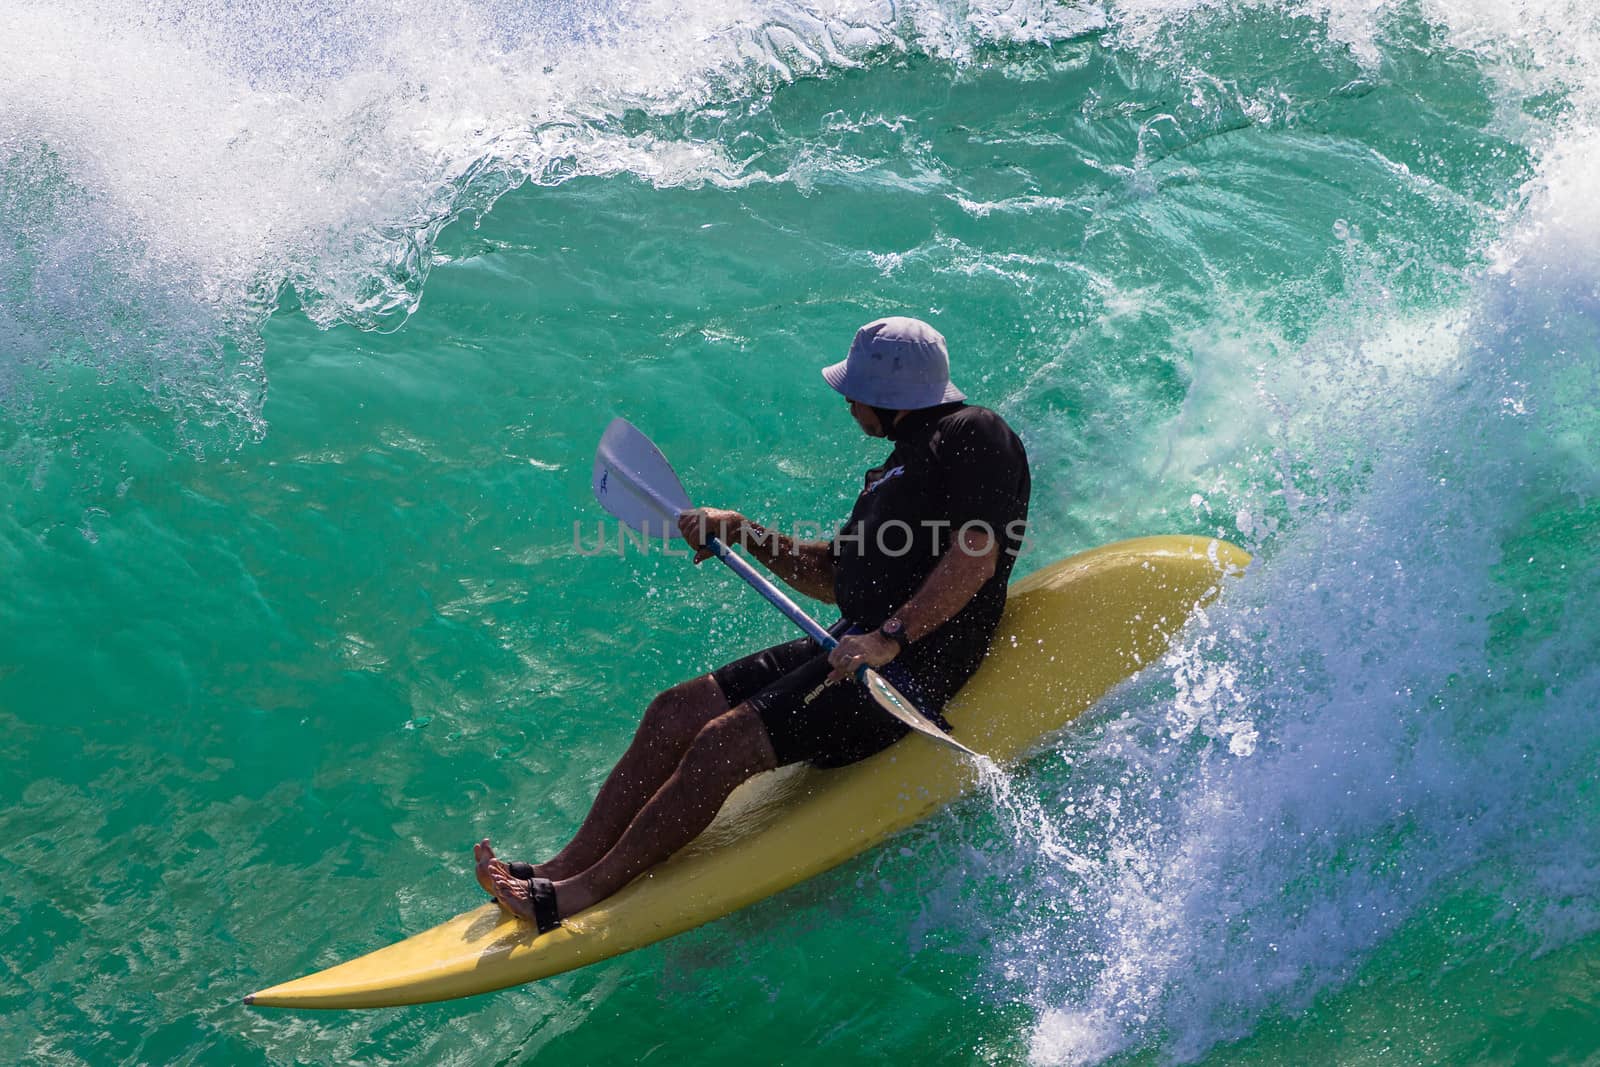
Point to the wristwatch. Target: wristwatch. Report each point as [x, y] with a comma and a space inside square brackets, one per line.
[895, 630]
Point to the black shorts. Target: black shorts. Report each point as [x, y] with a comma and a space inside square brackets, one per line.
[824, 725]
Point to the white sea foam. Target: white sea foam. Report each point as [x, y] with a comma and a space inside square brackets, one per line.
[1349, 734]
[1389, 755]
[177, 165]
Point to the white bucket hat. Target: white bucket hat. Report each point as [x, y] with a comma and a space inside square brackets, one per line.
[898, 363]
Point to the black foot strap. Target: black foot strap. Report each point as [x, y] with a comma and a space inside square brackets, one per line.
[545, 915]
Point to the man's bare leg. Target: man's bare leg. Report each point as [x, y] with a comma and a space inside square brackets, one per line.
[669, 725]
[727, 751]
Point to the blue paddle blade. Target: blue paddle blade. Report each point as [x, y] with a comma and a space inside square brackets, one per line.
[634, 482]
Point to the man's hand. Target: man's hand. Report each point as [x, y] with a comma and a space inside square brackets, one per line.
[855, 651]
[697, 524]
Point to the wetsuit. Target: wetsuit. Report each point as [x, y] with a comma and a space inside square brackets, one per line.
[952, 465]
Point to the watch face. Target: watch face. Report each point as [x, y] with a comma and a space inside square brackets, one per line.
[893, 626]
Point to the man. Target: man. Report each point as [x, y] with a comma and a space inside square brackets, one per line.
[919, 573]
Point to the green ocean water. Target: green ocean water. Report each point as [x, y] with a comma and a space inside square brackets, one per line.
[307, 335]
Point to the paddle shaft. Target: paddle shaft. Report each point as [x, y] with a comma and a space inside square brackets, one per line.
[757, 581]
[870, 679]
[776, 596]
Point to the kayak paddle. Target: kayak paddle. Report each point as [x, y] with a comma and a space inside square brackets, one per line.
[635, 483]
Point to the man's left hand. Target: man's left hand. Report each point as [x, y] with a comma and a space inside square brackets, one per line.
[855, 651]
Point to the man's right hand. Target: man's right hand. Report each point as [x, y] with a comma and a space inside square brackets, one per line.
[697, 524]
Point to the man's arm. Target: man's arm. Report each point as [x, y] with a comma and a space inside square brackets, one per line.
[955, 580]
[805, 566]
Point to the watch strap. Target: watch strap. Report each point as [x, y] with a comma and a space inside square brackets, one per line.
[895, 630]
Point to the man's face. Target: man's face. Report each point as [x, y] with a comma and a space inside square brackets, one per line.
[866, 418]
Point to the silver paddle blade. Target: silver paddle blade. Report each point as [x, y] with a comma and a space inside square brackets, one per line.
[634, 481]
[896, 703]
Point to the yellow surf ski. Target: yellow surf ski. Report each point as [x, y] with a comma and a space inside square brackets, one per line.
[1071, 631]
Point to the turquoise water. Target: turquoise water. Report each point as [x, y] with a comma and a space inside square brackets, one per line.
[310, 319]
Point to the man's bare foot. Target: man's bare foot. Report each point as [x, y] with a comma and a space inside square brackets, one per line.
[514, 894]
[482, 853]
